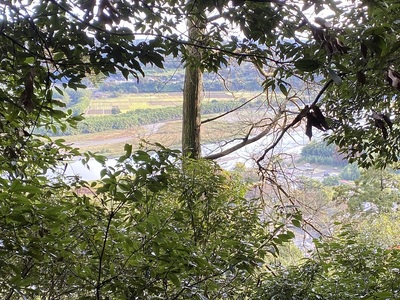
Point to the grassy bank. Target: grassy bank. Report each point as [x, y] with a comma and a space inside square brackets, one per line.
[111, 143]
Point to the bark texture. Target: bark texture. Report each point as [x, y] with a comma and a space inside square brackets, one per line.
[193, 92]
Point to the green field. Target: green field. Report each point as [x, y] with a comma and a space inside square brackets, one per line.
[111, 142]
[128, 102]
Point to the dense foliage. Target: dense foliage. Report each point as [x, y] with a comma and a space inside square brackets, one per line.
[147, 229]
[374, 191]
[342, 268]
[157, 225]
[321, 153]
[379, 229]
[350, 172]
[348, 52]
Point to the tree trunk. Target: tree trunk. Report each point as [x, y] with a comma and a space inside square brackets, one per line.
[192, 96]
[192, 93]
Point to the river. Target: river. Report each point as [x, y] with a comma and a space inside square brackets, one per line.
[247, 155]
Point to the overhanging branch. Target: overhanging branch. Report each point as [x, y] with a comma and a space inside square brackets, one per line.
[245, 141]
[298, 118]
[198, 44]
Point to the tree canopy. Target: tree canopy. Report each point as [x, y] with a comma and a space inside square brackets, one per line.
[150, 228]
[349, 49]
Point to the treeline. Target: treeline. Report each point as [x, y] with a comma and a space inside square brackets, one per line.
[146, 116]
[171, 78]
[323, 154]
[166, 85]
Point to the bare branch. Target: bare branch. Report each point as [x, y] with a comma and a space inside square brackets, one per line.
[324, 88]
[232, 110]
[102, 255]
[298, 118]
[246, 140]
[261, 70]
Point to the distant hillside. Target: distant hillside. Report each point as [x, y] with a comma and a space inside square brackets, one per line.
[157, 97]
[170, 79]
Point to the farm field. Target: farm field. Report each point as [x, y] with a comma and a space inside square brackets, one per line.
[111, 143]
[128, 102]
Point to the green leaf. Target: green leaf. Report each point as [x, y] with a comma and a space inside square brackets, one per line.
[283, 89]
[29, 60]
[128, 153]
[175, 280]
[335, 77]
[307, 65]
[128, 150]
[103, 173]
[284, 237]
[60, 91]
[17, 217]
[142, 156]
[19, 187]
[296, 223]
[58, 103]
[125, 73]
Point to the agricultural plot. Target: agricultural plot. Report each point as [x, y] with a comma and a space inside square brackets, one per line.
[128, 102]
